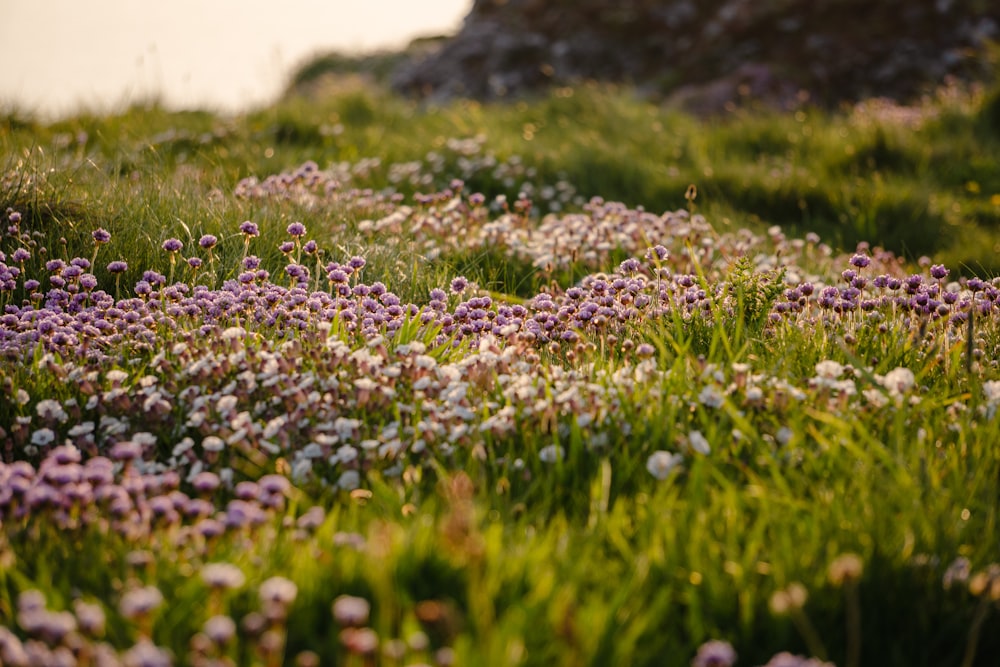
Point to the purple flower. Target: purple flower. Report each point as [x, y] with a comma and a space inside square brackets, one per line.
[147, 654]
[194, 262]
[251, 262]
[172, 245]
[126, 450]
[206, 482]
[286, 247]
[278, 590]
[220, 629]
[222, 575]
[645, 350]
[310, 247]
[117, 267]
[208, 241]
[296, 229]
[657, 252]
[20, 255]
[140, 601]
[459, 284]
[14, 217]
[357, 263]
[630, 265]
[101, 236]
[272, 484]
[939, 272]
[715, 653]
[351, 611]
[860, 261]
[249, 229]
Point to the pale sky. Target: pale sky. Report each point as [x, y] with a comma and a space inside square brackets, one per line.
[224, 55]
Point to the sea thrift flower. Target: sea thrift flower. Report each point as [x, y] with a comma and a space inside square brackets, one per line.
[296, 229]
[117, 267]
[899, 381]
[208, 241]
[278, 590]
[147, 654]
[140, 601]
[661, 463]
[249, 229]
[101, 236]
[172, 245]
[220, 629]
[551, 453]
[785, 659]
[829, 369]
[845, 568]
[715, 653]
[699, 443]
[349, 610]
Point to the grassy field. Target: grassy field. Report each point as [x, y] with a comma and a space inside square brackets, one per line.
[577, 380]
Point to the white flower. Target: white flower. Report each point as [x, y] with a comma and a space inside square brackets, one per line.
[301, 469]
[213, 443]
[829, 369]
[345, 454]
[42, 437]
[875, 397]
[710, 396]
[278, 590]
[349, 480]
[661, 463]
[551, 453]
[992, 390]
[181, 447]
[899, 381]
[784, 435]
[366, 384]
[226, 403]
[311, 451]
[699, 443]
[50, 409]
[234, 332]
[81, 429]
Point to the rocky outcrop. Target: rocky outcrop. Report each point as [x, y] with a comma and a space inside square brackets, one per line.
[709, 52]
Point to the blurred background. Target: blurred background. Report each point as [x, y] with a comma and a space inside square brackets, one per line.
[225, 55]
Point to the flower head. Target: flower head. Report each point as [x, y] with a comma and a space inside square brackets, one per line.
[172, 245]
[715, 653]
[350, 610]
[661, 463]
[222, 575]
